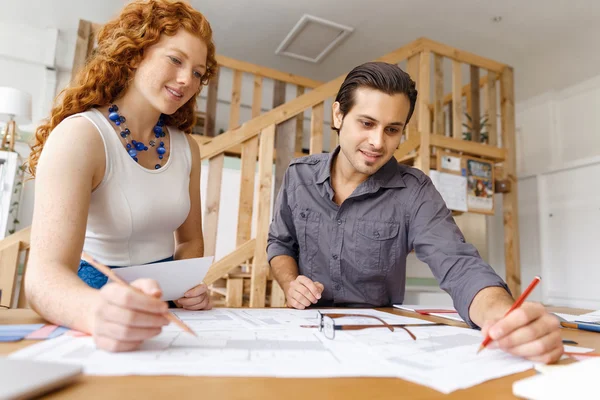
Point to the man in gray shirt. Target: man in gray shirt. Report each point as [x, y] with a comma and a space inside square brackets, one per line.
[344, 223]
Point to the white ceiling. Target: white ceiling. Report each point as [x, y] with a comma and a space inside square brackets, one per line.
[251, 30]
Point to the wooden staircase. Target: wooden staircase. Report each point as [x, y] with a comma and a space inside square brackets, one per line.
[273, 137]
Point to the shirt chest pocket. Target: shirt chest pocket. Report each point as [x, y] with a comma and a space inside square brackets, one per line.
[307, 225]
[376, 247]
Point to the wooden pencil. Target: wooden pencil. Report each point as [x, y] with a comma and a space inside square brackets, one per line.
[114, 277]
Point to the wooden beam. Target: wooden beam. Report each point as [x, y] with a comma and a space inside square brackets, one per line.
[463, 56]
[277, 295]
[492, 109]
[211, 106]
[404, 52]
[234, 107]
[235, 292]
[257, 96]
[213, 201]
[23, 237]
[230, 261]
[423, 160]
[475, 109]
[412, 68]
[285, 137]
[9, 262]
[510, 200]
[282, 113]
[22, 302]
[316, 128]
[82, 46]
[412, 143]
[495, 154]
[299, 124]
[456, 100]
[249, 155]
[285, 150]
[266, 72]
[247, 176]
[438, 105]
[260, 266]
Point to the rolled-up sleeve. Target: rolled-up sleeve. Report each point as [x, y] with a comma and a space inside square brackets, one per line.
[440, 244]
[282, 234]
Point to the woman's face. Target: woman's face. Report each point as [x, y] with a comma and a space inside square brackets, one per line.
[171, 71]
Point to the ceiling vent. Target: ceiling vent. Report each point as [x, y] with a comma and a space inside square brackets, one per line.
[313, 38]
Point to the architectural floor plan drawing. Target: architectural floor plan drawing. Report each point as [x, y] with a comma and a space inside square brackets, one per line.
[272, 343]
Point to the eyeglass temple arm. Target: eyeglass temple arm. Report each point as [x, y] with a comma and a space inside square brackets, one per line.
[391, 328]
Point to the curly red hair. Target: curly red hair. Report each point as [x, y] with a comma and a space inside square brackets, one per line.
[121, 44]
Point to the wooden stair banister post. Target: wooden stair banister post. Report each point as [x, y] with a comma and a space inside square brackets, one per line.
[424, 123]
[510, 199]
[260, 265]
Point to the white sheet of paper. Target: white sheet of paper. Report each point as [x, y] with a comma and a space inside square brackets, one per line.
[174, 277]
[451, 163]
[453, 189]
[270, 342]
[577, 380]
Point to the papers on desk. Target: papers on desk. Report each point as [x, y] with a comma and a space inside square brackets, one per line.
[271, 342]
[569, 381]
[436, 311]
[590, 318]
[174, 277]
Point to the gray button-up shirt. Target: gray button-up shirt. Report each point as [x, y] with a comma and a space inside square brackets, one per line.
[358, 250]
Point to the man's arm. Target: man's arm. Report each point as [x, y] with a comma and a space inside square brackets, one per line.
[283, 251]
[440, 244]
[479, 295]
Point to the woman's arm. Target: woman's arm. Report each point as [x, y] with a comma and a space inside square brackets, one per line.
[70, 165]
[120, 319]
[188, 237]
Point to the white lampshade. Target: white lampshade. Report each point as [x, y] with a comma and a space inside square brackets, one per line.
[16, 104]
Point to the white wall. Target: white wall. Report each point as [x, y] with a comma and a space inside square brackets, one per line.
[558, 162]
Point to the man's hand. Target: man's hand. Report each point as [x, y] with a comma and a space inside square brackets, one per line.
[529, 332]
[197, 298]
[302, 292]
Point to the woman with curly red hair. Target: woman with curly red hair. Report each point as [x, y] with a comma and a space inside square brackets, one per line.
[117, 176]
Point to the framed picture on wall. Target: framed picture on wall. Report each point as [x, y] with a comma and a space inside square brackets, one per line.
[480, 184]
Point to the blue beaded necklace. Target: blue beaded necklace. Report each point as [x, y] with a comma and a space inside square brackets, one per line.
[135, 146]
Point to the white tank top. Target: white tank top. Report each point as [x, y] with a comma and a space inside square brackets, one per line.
[135, 211]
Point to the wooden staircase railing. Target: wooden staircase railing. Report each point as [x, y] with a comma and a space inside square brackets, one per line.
[426, 130]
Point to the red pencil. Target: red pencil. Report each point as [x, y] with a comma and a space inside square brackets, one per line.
[516, 305]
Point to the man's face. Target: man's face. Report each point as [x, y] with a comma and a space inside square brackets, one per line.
[371, 131]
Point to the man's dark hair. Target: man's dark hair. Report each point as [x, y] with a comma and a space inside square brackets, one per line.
[388, 78]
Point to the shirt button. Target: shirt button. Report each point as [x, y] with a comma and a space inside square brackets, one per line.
[303, 215]
[339, 221]
[376, 234]
[335, 256]
[337, 286]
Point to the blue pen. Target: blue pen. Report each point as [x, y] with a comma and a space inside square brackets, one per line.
[581, 326]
